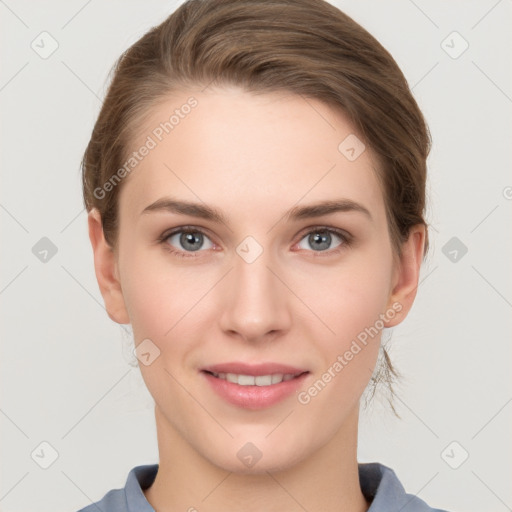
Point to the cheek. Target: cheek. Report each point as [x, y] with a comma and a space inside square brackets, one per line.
[160, 303]
[348, 298]
[158, 295]
[349, 304]
[348, 339]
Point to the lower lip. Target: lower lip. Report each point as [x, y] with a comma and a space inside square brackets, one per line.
[254, 397]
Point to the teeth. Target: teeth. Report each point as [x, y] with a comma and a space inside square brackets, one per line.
[276, 378]
[245, 380]
[231, 377]
[263, 380]
[251, 380]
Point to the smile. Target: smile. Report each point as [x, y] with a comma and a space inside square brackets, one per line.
[254, 387]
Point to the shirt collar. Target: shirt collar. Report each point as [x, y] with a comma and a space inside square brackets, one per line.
[379, 484]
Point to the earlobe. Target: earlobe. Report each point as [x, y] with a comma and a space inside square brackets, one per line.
[407, 275]
[106, 269]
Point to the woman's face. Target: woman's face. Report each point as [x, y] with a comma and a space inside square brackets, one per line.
[272, 278]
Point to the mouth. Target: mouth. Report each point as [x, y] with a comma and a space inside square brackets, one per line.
[254, 386]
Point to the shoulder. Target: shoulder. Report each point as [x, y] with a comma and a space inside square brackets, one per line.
[381, 486]
[113, 501]
[130, 498]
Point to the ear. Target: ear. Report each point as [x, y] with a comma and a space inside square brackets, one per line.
[107, 272]
[406, 274]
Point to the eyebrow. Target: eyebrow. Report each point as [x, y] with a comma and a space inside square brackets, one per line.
[203, 211]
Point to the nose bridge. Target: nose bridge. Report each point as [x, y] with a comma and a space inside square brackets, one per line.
[256, 302]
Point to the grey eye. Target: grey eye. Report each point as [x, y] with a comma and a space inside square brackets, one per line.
[320, 239]
[189, 240]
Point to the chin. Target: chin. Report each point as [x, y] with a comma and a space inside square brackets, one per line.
[257, 458]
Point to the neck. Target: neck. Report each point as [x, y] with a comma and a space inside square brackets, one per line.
[327, 481]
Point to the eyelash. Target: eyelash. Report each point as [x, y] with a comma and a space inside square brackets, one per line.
[345, 238]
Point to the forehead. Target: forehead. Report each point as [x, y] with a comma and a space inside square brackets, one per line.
[239, 151]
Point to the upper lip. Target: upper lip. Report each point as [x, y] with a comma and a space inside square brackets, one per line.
[253, 369]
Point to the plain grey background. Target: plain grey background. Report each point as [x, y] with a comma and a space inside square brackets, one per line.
[69, 379]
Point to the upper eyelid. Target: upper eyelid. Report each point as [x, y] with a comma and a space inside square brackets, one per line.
[185, 229]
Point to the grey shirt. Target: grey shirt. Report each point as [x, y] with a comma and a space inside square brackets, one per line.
[379, 484]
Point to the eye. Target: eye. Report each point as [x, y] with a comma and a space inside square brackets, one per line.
[184, 241]
[321, 238]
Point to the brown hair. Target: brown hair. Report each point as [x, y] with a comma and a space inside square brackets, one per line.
[306, 47]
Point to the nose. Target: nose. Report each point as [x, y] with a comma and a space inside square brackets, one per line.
[255, 300]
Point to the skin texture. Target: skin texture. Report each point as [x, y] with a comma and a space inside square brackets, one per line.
[254, 158]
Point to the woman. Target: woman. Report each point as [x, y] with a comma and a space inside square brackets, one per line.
[255, 184]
